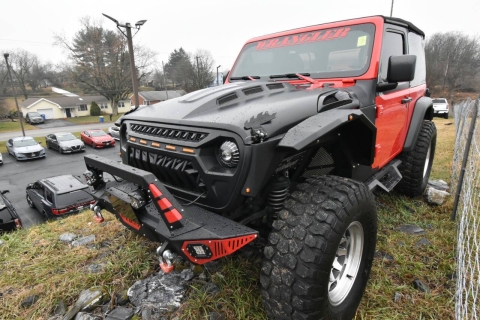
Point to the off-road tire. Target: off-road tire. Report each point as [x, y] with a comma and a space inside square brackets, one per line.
[414, 168]
[303, 246]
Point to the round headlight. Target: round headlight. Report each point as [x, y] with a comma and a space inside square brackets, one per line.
[228, 154]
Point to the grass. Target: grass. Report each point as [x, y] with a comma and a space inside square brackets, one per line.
[35, 262]
[9, 126]
[93, 119]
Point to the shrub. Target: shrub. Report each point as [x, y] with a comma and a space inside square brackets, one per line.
[94, 109]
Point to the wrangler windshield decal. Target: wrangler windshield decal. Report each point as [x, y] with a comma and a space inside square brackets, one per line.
[297, 39]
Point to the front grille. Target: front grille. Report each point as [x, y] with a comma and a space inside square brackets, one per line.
[75, 147]
[175, 172]
[168, 133]
[31, 154]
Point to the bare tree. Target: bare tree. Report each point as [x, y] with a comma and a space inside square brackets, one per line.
[22, 63]
[100, 61]
[202, 74]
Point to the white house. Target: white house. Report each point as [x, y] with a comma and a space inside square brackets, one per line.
[68, 107]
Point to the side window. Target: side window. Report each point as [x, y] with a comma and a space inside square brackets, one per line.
[10, 142]
[49, 195]
[392, 46]
[416, 46]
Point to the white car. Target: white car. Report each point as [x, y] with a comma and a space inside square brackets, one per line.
[1, 159]
[440, 107]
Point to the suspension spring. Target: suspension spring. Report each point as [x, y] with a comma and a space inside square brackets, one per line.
[278, 194]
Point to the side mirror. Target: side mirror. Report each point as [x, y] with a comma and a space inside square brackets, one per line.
[30, 186]
[5, 191]
[401, 68]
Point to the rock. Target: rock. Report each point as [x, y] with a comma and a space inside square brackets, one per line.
[438, 184]
[120, 313]
[419, 285]
[215, 316]
[89, 299]
[122, 297]
[96, 268]
[435, 197]
[410, 229]
[383, 255]
[86, 316]
[398, 297]
[67, 237]
[84, 241]
[60, 308]
[187, 274]
[202, 276]
[147, 314]
[29, 301]
[423, 242]
[211, 288]
[163, 290]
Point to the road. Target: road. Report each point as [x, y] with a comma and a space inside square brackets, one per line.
[15, 175]
[43, 132]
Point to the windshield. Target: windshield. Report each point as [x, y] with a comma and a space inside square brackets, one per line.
[65, 137]
[327, 53]
[34, 114]
[24, 143]
[73, 198]
[98, 133]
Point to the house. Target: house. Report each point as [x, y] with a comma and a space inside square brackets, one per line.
[152, 97]
[68, 107]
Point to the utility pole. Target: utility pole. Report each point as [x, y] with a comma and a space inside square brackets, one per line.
[391, 9]
[198, 72]
[164, 81]
[6, 55]
[129, 37]
[217, 73]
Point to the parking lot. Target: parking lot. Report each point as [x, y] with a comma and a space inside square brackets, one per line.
[15, 175]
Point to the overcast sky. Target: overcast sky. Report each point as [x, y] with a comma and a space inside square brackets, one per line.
[220, 26]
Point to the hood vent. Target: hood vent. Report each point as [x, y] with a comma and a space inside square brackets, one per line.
[227, 98]
[252, 90]
[273, 86]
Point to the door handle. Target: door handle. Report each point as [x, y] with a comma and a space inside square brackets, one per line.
[406, 100]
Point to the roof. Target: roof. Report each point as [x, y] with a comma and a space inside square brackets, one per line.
[64, 102]
[64, 184]
[22, 138]
[396, 21]
[159, 95]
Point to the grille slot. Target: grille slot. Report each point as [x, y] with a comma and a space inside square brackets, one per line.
[273, 86]
[227, 98]
[168, 133]
[175, 172]
[252, 90]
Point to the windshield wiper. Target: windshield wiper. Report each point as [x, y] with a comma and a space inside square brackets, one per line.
[245, 78]
[303, 76]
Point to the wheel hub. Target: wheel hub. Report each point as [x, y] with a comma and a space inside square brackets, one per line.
[346, 263]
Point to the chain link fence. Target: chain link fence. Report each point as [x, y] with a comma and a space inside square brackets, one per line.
[466, 184]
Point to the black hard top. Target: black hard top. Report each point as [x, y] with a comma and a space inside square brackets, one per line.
[404, 23]
[63, 184]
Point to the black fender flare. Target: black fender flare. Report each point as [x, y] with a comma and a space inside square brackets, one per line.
[354, 128]
[423, 111]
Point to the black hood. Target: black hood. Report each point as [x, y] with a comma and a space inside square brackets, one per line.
[233, 106]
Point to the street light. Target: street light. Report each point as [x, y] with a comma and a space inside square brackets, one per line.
[129, 37]
[217, 73]
[6, 55]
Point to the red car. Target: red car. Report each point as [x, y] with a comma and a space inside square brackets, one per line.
[97, 139]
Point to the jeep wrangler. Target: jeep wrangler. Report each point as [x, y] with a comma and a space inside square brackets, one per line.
[308, 123]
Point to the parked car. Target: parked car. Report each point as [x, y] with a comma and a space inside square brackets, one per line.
[25, 148]
[57, 196]
[114, 131]
[9, 219]
[34, 117]
[64, 142]
[1, 159]
[440, 107]
[97, 139]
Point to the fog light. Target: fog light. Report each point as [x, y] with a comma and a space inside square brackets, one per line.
[137, 199]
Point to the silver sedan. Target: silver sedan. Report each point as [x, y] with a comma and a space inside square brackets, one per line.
[25, 148]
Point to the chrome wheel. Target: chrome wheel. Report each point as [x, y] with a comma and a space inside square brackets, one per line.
[427, 161]
[346, 263]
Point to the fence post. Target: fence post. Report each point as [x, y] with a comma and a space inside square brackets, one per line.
[465, 158]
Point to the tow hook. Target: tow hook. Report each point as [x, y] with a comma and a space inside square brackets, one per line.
[165, 258]
[97, 215]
